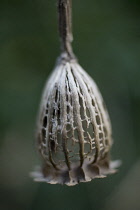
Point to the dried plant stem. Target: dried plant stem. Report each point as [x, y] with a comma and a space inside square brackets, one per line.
[65, 26]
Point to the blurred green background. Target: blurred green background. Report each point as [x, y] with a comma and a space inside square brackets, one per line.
[107, 43]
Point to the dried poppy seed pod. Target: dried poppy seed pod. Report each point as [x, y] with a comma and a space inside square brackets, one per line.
[74, 131]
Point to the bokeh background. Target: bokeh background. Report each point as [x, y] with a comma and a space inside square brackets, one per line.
[107, 43]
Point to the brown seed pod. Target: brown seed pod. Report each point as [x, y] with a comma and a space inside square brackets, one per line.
[74, 131]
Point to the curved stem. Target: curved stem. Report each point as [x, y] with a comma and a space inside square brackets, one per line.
[65, 26]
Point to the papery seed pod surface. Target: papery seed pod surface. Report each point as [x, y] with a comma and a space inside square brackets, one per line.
[74, 131]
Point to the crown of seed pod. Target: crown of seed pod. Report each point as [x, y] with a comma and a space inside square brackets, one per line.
[74, 131]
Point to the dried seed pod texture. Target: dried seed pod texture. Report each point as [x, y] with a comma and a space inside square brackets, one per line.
[74, 131]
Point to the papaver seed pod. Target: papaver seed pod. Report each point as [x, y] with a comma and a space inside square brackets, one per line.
[74, 130]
